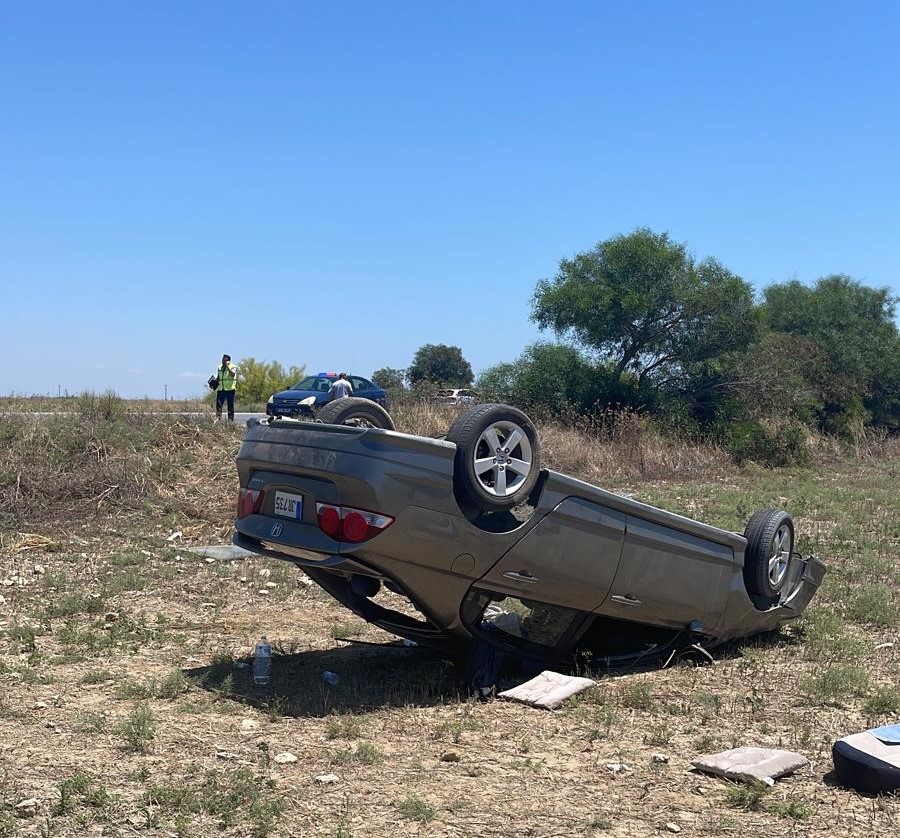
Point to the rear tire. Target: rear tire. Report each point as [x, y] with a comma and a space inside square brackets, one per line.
[498, 457]
[770, 543]
[353, 411]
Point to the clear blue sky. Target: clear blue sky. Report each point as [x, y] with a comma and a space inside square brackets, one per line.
[336, 184]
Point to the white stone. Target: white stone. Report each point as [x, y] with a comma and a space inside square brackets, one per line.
[39, 569]
[210, 560]
[174, 536]
[284, 758]
[328, 779]
[249, 724]
[263, 592]
[28, 808]
[271, 584]
[226, 755]
[618, 767]
[39, 705]
[660, 759]
[673, 827]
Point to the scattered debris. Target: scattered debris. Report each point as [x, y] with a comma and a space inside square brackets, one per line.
[869, 762]
[27, 808]
[210, 560]
[619, 767]
[284, 758]
[249, 724]
[547, 690]
[328, 779]
[39, 569]
[263, 592]
[39, 705]
[660, 759]
[226, 755]
[220, 552]
[765, 764]
[888, 645]
[174, 536]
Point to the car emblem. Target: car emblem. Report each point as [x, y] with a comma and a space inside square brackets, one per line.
[276, 530]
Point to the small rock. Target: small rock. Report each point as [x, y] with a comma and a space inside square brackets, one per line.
[27, 808]
[673, 827]
[39, 705]
[305, 580]
[147, 553]
[2, 599]
[271, 584]
[450, 756]
[39, 569]
[243, 579]
[265, 572]
[174, 536]
[7, 582]
[226, 755]
[263, 592]
[249, 724]
[618, 767]
[328, 779]
[110, 617]
[887, 645]
[284, 758]
[660, 759]
[210, 560]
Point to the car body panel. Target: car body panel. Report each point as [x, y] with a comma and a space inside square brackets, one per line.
[581, 552]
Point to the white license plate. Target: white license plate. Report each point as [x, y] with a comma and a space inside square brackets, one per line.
[288, 505]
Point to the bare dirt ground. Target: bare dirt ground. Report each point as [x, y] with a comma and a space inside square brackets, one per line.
[126, 707]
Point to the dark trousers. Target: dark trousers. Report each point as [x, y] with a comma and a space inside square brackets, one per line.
[225, 396]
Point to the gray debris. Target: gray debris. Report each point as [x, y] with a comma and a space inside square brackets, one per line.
[221, 552]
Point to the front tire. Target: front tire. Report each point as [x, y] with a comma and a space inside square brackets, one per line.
[353, 411]
[498, 457]
[770, 543]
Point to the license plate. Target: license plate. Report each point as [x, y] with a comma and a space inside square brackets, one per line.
[288, 506]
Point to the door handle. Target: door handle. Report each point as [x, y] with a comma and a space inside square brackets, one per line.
[521, 576]
[628, 599]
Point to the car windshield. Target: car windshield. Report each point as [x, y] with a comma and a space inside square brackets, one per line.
[312, 382]
[446, 392]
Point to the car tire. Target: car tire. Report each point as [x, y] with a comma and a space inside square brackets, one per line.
[770, 543]
[481, 479]
[355, 411]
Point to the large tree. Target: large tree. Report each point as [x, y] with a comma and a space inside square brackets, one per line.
[852, 328]
[642, 303]
[440, 364]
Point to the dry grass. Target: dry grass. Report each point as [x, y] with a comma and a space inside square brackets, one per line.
[126, 708]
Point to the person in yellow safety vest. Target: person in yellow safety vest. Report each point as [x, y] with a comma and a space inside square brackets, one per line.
[227, 375]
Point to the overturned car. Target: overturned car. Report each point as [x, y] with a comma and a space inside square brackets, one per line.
[445, 541]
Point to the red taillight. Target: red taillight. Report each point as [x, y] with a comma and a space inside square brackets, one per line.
[343, 523]
[329, 518]
[250, 502]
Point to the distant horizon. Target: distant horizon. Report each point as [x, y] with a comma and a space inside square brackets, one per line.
[336, 186]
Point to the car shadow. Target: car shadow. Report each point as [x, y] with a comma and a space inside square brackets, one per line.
[348, 679]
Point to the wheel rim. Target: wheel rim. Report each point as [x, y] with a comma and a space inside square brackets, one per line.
[503, 459]
[781, 555]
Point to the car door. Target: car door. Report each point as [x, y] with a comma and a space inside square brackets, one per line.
[539, 597]
[668, 577]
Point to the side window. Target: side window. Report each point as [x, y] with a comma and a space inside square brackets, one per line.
[360, 383]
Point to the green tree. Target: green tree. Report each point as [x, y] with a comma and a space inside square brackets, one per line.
[852, 328]
[440, 364]
[641, 302]
[257, 380]
[389, 378]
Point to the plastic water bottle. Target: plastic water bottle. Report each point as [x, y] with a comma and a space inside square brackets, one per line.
[262, 662]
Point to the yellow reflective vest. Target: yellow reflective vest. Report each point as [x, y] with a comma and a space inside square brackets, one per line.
[227, 376]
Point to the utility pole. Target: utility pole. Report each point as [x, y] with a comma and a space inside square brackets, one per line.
[59, 391]
[166, 397]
